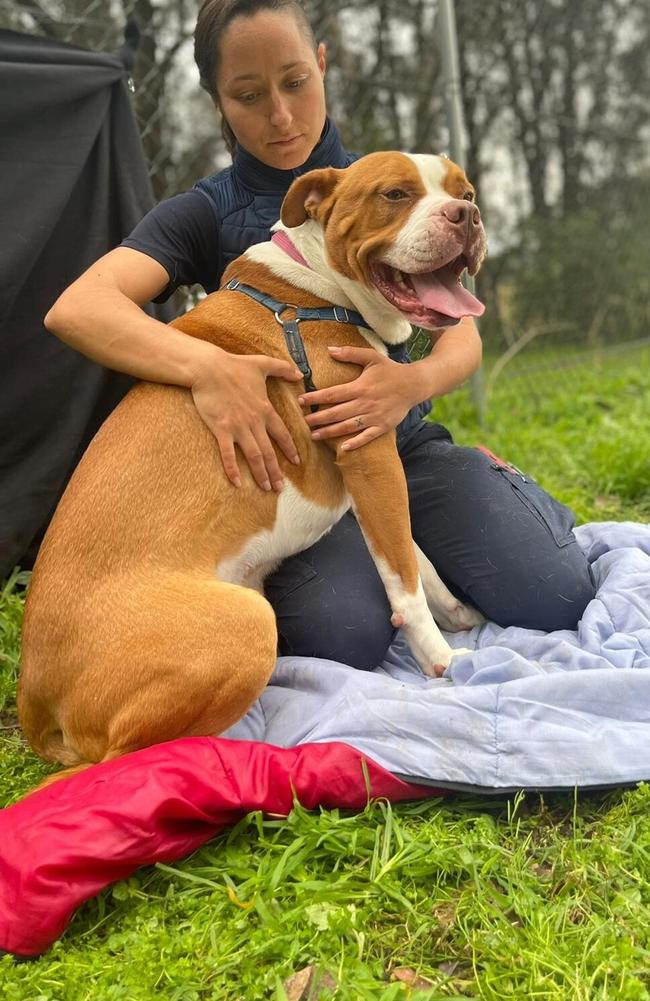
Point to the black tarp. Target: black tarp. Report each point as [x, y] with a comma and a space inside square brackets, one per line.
[73, 183]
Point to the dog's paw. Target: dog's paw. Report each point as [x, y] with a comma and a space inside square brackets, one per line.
[430, 650]
[420, 629]
[436, 670]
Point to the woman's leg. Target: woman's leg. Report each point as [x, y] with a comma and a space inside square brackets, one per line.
[330, 601]
[497, 539]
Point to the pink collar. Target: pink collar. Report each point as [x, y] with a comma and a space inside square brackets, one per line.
[284, 243]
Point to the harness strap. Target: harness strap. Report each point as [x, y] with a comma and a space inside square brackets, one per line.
[264, 300]
[290, 328]
[339, 313]
[296, 348]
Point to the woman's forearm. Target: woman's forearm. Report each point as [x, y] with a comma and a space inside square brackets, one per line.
[106, 326]
[455, 356]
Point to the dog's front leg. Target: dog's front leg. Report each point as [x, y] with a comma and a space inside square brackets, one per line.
[375, 481]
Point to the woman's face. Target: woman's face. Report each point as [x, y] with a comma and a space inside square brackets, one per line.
[270, 87]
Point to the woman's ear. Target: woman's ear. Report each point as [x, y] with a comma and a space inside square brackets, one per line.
[308, 196]
[321, 57]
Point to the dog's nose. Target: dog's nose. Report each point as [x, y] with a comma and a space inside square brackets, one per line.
[462, 213]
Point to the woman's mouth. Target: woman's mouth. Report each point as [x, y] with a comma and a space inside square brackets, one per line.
[285, 142]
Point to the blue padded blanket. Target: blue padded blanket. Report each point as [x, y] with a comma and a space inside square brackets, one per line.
[526, 709]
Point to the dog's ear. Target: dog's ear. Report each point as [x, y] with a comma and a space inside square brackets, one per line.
[306, 197]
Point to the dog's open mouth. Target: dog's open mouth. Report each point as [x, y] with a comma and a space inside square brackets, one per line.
[428, 299]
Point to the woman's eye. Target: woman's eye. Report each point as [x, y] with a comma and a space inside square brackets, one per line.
[294, 84]
[395, 195]
[247, 98]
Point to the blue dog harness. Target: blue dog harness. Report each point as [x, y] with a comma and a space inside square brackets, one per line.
[290, 328]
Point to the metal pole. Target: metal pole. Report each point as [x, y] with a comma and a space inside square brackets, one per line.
[453, 91]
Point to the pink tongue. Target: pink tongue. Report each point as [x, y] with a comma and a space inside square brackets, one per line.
[439, 290]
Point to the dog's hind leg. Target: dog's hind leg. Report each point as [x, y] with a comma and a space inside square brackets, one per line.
[449, 612]
[191, 653]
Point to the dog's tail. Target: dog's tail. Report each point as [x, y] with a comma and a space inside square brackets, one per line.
[63, 774]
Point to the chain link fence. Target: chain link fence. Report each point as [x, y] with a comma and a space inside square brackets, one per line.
[558, 143]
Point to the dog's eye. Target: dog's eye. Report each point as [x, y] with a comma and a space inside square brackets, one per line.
[395, 195]
[469, 196]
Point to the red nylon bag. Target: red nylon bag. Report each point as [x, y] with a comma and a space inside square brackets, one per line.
[67, 842]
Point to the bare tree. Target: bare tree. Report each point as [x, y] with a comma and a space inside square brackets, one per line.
[383, 68]
[560, 85]
[559, 82]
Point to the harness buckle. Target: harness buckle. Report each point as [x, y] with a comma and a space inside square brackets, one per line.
[232, 284]
[278, 318]
[343, 310]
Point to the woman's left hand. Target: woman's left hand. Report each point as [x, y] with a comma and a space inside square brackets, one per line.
[372, 404]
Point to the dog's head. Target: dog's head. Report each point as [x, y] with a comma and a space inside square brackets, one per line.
[403, 225]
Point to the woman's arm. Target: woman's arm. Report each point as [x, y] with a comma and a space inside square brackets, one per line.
[100, 315]
[386, 390]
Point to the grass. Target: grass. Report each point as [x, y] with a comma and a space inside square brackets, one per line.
[582, 432]
[528, 897]
[11, 614]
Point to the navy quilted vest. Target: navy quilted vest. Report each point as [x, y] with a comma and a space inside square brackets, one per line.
[247, 196]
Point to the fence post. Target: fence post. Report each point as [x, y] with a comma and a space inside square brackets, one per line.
[455, 120]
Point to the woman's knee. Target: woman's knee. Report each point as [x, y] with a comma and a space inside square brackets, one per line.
[499, 539]
[357, 632]
[548, 596]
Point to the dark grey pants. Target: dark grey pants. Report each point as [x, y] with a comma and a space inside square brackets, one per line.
[497, 540]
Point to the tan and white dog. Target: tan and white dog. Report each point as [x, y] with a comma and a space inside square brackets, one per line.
[145, 619]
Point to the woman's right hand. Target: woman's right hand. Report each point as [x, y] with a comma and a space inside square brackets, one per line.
[232, 400]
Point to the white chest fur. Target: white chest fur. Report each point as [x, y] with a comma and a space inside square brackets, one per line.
[299, 523]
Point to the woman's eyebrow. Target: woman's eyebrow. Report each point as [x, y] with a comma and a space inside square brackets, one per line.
[256, 76]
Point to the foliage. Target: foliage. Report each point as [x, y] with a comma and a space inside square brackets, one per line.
[490, 900]
[544, 897]
[559, 85]
[585, 273]
[581, 433]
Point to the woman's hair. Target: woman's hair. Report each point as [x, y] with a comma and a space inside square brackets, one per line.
[214, 17]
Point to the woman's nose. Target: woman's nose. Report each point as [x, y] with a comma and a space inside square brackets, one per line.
[280, 115]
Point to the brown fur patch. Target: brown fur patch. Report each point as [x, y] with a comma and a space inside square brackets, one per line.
[455, 181]
[358, 220]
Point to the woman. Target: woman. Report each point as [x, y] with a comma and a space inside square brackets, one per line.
[499, 542]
